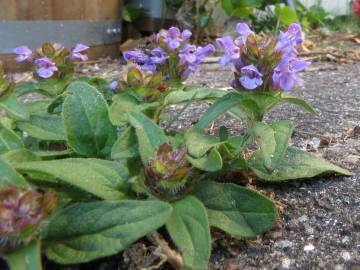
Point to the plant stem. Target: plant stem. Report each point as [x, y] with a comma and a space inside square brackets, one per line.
[173, 257]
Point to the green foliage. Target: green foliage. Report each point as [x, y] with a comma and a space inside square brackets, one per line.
[189, 228]
[296, 164]
[26, 258]
[88, 129]
[101, 178]
[228, 211]
[149, 135]
[97, 149]
[286, 15]
[44, 127]
[86, 231]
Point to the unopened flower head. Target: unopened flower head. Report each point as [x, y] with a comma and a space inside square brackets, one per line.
[263, 64]
[166, 174]
[21, 212]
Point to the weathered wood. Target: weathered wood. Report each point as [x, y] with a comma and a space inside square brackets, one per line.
[15, 10]
[27, 10]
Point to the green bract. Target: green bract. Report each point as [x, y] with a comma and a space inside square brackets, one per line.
[121, 173]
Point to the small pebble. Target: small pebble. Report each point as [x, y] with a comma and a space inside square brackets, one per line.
[309, 248]
[284, 244]
[286, 263]
[346, 256]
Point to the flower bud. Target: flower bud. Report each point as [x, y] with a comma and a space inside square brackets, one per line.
[21, 212]
[167, 173]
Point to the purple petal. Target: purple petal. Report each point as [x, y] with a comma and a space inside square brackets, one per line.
[113, 85]
[80, 48]
[173, 43]
[45, 72]
[23, 52]
[226, 42]
[251, 70]
[299, 65]
[243, 28]
[173, 33]
[186, 34]
[250, 83]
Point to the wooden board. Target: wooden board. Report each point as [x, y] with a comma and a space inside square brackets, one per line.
[14, 10]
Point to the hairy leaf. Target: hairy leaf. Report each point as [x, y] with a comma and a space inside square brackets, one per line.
[296, 164]
[189, 228]
[238, 211]
[101, 178]
[88, 129]
[86, 231]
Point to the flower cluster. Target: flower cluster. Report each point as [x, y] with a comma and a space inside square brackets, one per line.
[171, 54]
[167, 173]
[264, 63]
[52, 58]
[21, 212]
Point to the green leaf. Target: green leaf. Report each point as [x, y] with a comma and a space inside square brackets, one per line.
[16, 156]
[123, 103]
[273, 141]
[238, 211]
[10, 175]
[149, 135]
[9, 140]
[296, 164]
[227, 6]
[45, 155]
[298, 101]
[221, 106]
[209, 163]
[26, 258]
[189, 228]
[198, 143]
[24, 88]
[38, 106]
[88, 129]
[51, 87]
[101, 178]
[14, 108]
[181, 96]
[126, 145]
[44, 127]
[86, 231]
[287, 15]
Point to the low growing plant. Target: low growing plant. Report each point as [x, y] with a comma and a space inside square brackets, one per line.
[119, 175]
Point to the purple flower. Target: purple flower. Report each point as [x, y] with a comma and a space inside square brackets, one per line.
[76, 53]
[244, 30]
[174, 37]
[288, 40]
[285, 76]
[187, 54]
[250, 77]
[45, 67]
[23, 53]
[192, 56]
[113, 85]
[159, 56]
[136, 56]
[231, 50]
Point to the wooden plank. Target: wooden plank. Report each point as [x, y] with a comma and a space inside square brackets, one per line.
[59, 10]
